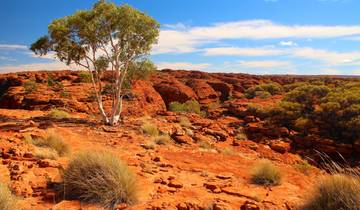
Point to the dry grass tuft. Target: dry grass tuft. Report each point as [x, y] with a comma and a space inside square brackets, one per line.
[185, 122]
[150, 129]
[58, 114]
[337, 191]
[100, 178]
[162, 139]
[46, 153]
[7, 200]
[54, 142]
[266, 173]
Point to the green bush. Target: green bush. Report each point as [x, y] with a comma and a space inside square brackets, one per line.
[150, 129]
[7, 200]
[108, 89]
[262, 94]
[338, 191]
[266, 173]
[30, 86]
[263, 90]
[55, 142]
[191, 106]
[100, 178]
[85, 77]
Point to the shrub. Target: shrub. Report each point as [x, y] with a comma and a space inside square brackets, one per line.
[55, 142]
[263, 90]
[108, 89]
[185, 122]
[162, 139]
[58, 114]
[338, 191]
[50, 81]
[192, 106]
[262, 94]
[7, 200]
[150, 129]
[266, 173]
[30, 86]
[85, 77]
[100, 178]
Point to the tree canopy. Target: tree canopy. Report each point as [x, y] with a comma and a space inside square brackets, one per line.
[105, 37]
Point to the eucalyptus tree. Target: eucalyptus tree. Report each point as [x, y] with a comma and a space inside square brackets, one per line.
[106, 37]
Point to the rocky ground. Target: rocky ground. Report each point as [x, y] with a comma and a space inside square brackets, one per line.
[204, 166]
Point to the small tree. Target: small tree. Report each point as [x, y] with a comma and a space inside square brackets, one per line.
[107, 36]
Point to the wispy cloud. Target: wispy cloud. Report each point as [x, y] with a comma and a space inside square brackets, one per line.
[5, 58]
[37, 67]
[183, 65]
[288, 43]
[13, 47]
[238, 51]
[185, 39]
[265, 64]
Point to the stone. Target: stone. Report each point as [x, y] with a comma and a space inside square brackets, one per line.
[175, 184]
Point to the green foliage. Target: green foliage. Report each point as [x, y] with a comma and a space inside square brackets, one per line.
[332, 112]
[122, 35]
[7, 200]
[85, 77]
[108, 89]
[141, 70]
[100, 178]
[192, 106]
[266, 173]
[50, 81]
[30, 86]
[58, 114]
[55, 142]
[150, 129]
[338, 191]
[263, 90]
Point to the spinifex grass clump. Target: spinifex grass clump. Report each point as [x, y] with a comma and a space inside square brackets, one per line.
[100, 178]
[266, 173]
[150, 129]
[58, 114]
[7, 200]
[54, 142]
[338, 190]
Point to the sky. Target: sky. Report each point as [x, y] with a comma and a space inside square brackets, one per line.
[239, 36]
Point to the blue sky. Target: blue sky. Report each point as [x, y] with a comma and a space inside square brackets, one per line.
[250, 36]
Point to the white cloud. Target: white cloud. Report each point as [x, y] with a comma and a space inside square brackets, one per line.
[288, 43]
[265, 64]
[329, 57]
[238, 51]
[13, 47]
[182, 39]
[325, 56]
[37, 67]
[355, 38]
[330, 72]
[5, 58]
[182, 65]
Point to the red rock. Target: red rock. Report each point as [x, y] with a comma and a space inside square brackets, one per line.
[280, 146]
[175, 184]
